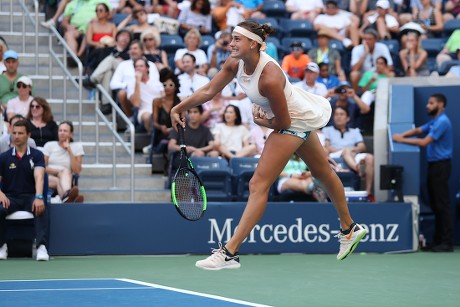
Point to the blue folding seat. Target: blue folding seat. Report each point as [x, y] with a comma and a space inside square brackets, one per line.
[297, 28]
[171, 42]
[445, 66]
[216, 177]
[287, 41]
[242, 170]
[275, 8]
[433, 45]
[450, 26]
[206, 41]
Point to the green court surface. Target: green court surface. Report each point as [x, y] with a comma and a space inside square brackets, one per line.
[412, 279]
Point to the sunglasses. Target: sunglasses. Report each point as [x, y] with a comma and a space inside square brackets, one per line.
[20, 84]
[297, 48]
[100, 10]
[35, 106]
[169, 84]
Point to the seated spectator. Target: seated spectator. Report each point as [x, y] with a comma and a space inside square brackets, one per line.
[63, 159]
[20, 104]
[346, 97]
[22, 188]
[347, 143]
[192, 41]
[430, 19]
[339, 23]
[125, 74]
[197, 16]
[452, 10]
[100, 35]
[324, 54]
[449, 52]
[294, 63]
[165, 7]
[43, 128]
[213, 111]
[152, 51]
[77, 17]
[199, 140]
[7, 139]
[105, 69]
[8, 79]
[416, 7]
[190, 80]
[232, 138]
[386, 24]
[219, 52]
[296, 177]
[330, 81]
[161, 121]
[233, 94]
[305, 10]
[3, 49]
[142, 91]
[227, 14]
[310, 83]
[364, 56]
[141, 16]
[414, 59]
[368, 83]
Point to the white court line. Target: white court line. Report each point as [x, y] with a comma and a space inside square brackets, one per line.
[75, 289]
[193, 293]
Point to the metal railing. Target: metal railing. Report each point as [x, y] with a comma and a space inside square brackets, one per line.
[76, 81]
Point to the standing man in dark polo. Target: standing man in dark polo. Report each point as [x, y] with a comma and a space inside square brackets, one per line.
[439, 142]
[22, 171]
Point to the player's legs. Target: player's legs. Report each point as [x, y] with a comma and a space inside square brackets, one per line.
[312, 152]
[277, 151]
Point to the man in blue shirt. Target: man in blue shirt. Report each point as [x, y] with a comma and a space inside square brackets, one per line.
[22, 171]
[439, 142]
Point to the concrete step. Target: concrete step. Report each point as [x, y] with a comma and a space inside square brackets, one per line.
[123, 182]
[92, 169]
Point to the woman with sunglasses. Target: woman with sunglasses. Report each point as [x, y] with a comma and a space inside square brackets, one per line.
[99, 36]
[140, 15]
[20, 104]
[162, 108]
[43, 128]
[151, 42]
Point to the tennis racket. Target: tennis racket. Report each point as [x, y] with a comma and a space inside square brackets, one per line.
[187, 191]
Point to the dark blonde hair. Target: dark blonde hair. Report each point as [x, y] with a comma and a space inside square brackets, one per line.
[47, 115]
[261, 30]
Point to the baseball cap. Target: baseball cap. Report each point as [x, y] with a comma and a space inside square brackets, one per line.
[10, 54]
[344, 84]
[26, 80]
[384, 4]
[312, 67]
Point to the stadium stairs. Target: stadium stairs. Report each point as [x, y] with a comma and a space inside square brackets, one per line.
[96, 180]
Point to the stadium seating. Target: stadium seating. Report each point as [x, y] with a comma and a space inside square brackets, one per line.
[118, 18]
[272, 22]
[337, 45]
[433, 45]
[215, 176]
[206, 41]
[242, 171]
[450, 26]
[170, 43]
[275, 8]
[350, 180]
[297, 28]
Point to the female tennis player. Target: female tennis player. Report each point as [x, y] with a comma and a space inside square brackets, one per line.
[294, 115]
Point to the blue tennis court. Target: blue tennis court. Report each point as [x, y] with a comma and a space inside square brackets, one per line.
[105, 292]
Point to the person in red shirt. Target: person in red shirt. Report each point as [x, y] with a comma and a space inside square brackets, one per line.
[294, 63]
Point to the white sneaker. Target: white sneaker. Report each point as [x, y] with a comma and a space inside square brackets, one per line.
[346, 42]
[349, 241]
[219, 260]
[42, 253]
[47, 24]
[146, 149]
[4, 252]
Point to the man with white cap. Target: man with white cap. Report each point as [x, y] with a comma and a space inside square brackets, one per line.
[309, 82]
[386, 24]
[8, 89]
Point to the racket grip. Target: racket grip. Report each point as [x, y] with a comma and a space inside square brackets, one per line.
[180, 131]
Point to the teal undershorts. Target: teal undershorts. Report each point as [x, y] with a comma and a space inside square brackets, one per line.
[302, 135]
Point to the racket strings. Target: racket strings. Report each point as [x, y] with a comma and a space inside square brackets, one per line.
[188, 194]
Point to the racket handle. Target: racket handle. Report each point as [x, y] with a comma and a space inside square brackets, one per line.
[180, 130]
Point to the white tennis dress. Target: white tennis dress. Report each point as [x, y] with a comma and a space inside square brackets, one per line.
[308, 111]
